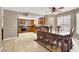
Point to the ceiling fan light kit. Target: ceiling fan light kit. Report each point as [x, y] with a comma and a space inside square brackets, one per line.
[55, 10]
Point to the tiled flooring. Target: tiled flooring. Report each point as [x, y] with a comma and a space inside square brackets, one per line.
[25, 43]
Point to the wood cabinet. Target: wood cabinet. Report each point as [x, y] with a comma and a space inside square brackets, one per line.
[31, 29]
[30, 26]
[28, 29]
[20, 23]
[42, 21]
[19, 29]
[30, 22]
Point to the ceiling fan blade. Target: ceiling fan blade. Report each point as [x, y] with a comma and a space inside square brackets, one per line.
[47, 11]
[61, 8]
[50, 7]
[59, 11]
[26, 13]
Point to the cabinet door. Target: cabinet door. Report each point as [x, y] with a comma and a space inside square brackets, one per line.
[33, 29]
[19, 21]
[28, 29]
[19, 29]
[42, 21]
[30, 22]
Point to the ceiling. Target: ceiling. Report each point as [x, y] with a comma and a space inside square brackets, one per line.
[37, 10]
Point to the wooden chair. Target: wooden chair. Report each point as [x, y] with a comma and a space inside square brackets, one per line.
[71, 35]
[57, 28]
[68, 41]
[46, 28]
[51, 28]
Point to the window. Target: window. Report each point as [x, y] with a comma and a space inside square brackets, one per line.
[64, 22]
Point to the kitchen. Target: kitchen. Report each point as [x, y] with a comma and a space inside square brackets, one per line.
[29, 25]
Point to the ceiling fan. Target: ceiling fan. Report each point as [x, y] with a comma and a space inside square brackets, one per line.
[27, 13]
[54, 10]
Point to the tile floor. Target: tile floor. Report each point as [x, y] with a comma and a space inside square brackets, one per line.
[25, 43]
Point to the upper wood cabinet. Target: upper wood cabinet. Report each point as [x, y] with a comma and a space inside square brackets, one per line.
[19, 21]
[42, 21]
[30, 22]
[30, 26]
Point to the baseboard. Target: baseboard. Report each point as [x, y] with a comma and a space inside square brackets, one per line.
[1, 49]
[10, 38]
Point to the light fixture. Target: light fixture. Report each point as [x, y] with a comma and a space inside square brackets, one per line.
[55, 10]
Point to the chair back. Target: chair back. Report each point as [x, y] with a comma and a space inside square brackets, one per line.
[51, 28]
[72, 31]
[57, 28]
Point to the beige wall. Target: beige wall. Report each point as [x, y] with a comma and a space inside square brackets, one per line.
[0, 28]
[10, 23]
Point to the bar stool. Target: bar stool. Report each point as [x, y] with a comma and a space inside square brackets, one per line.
[47, 38]
[55, 41]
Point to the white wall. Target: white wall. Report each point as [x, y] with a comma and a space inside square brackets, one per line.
[0, 28]
[50, 21]
[77, 23]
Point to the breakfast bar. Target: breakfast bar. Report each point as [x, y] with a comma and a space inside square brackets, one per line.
[55, 39]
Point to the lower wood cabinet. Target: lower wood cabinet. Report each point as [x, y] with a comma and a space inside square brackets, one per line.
[19, 29]
[31, 29]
